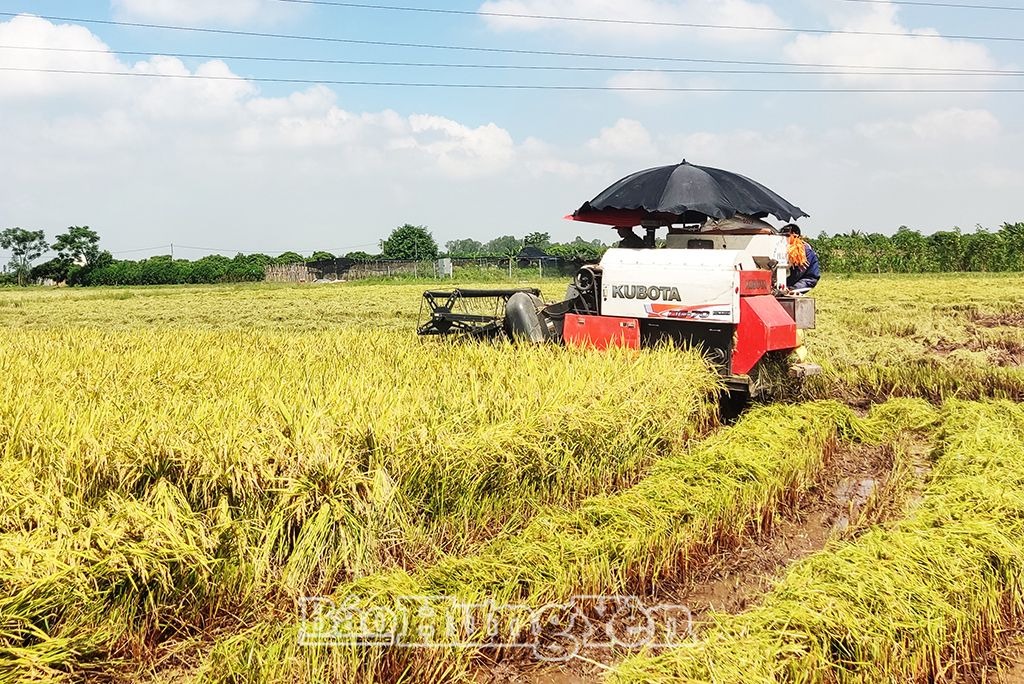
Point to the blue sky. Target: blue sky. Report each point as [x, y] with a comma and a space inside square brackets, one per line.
[255, 166]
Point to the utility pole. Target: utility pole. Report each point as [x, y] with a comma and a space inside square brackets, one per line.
[172, 251]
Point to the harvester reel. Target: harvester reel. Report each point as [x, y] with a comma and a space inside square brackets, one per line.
[477, 314]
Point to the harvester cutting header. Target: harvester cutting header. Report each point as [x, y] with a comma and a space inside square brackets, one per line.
[716, 283]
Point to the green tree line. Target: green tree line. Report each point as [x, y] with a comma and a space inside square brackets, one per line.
[411, 242]
[80, 261]
[908, 251]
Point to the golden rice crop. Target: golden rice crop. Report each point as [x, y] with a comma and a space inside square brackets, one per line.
[155, 481]
[182, 462]
[922, 599]
[252, 305]
[621, 543]
[934, 336]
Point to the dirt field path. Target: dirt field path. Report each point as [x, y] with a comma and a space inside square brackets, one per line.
[854, 492]
[1008, 667]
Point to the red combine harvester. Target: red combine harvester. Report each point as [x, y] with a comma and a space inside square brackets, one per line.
[716, 283]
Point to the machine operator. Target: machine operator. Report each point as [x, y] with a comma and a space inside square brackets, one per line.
[804, 271]
[630, 240]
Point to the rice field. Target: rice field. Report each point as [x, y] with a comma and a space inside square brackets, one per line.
[183, 467]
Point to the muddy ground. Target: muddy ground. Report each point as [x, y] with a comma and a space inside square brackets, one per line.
[853, 493]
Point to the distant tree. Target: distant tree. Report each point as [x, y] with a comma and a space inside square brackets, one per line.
[948, 248]
[79, 245]
[504, 245]
[910, 251]
[290, 258]
[409, 242]
[79, 275]
[464, 248]
[213, 268]
[539, 240]
[248, 267]
[1013, 242]
[360, 256]
[78, 249]
[578, 250]
[322, 256]
[163, 270]
[26, 246]
[54, 269]
[255, 259]
[984, 251]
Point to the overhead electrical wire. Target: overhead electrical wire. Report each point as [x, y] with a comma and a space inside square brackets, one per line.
[945, 5]
[331, 39]
[810, 69]
[512, 51]
[512, 86]
[625, 22]
[333, 250]
[140, 249]
[948, 72]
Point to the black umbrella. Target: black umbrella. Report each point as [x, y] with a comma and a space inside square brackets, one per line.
[684, 193]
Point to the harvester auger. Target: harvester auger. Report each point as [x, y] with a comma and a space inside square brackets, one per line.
[718, 284]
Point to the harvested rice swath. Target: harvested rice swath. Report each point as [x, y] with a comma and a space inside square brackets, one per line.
[611, 544]
[918, 600]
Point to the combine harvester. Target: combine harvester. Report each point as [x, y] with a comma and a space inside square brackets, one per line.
[717, 284]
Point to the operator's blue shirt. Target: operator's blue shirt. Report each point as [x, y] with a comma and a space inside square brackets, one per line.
[805, 277]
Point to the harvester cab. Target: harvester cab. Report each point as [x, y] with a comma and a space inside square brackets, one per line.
[717, 286]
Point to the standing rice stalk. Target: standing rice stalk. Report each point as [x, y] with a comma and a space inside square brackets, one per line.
[922, 599]
[622, 543]
[165, 484]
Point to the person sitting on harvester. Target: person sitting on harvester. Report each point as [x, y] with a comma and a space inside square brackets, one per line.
[630, 240]
[804, 271]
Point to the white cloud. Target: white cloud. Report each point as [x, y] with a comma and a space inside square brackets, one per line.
[634, 83]
[784, 145]
[164, 104]
[461, 150]
[626, 139]
[35, 32]
[124, 146]
[221, 163]
[722, 12]
[929, 171]
[903, 50]
[956, 124]
[940, 126]
[203, 11]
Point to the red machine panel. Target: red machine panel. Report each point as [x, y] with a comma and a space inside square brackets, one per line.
[764, 326]
[601, 332]
[755, 283]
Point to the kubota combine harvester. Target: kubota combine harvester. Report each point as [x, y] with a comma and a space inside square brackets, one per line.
[717, 282]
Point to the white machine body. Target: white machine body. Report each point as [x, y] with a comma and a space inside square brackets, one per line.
[696, 277]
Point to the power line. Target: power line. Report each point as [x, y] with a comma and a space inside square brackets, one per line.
[141, 249]
[331, 39]
[811, 69]
[649, 23]
[208, 249]
[333, 250]
[641, 23]
[947, 5]
[509, 86]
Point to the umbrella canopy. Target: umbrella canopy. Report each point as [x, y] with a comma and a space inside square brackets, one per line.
[683, 193]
